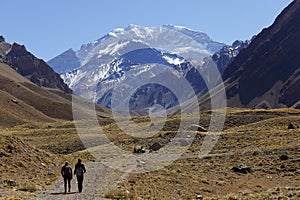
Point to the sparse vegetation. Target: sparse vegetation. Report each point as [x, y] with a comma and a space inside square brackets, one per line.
[254, 138]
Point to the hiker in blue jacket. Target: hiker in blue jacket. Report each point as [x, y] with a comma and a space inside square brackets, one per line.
[79, 172]
[66, 172]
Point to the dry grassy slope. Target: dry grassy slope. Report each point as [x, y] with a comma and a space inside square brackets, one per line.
[21, 101]
[30, 168]
[254, 138]
[12, 114]
[33, 118]
[18, 112]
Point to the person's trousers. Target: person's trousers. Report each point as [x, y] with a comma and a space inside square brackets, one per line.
[80, 181]
[67, 181]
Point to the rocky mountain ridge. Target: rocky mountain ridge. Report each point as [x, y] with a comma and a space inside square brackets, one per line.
[99, 66]
[26, 64]
[266, 73]
[228, 53]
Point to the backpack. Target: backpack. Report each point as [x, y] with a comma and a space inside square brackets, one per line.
[79, 171]
[67, 171]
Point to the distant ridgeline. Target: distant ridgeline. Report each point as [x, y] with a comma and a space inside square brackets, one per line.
[260, 73]
[34, 69]
[95, 70]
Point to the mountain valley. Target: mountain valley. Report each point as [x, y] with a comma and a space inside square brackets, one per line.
[204, 120]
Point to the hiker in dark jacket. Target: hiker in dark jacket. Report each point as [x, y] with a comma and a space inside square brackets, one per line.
[79, 172]
[66, 172]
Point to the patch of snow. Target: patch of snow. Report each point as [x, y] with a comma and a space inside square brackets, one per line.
[8, 51]
[175, 61]
[144, 69]
[149, 31]
[112, 48]
[102, 67]
[99, 74]
[72, 78]
[180, 27]
[184, 50]
[137, 41]
[118, 30]
[113, 34]
[138, 32]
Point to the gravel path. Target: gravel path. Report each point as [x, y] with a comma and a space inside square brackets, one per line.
[98, 180]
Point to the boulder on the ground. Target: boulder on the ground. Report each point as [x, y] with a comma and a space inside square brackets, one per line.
[284, 157]
[10, 182]
[242, 169]
[155, 146]
[199, 196]
[139, 149]
[291, 126]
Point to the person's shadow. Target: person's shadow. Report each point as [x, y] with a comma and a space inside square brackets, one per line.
[62, 193]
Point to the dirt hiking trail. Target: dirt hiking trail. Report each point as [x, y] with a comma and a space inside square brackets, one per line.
[98, 180]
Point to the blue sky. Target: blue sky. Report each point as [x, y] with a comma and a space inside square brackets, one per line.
[47, 28]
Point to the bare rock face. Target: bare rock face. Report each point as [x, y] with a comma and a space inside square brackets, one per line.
[269, 68]
[4, 47]
[2, 39]
[227, 54]
[36, 70]
[65, 62]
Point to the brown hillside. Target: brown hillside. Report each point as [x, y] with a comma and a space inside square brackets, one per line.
[36, 70]
[258, 139]
[21, 101]
[266, 74]
[21, 164]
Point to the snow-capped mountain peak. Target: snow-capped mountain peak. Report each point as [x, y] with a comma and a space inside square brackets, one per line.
[101, 64]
